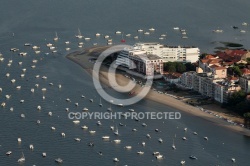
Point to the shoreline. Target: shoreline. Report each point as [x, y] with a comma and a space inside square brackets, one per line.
[82, 59]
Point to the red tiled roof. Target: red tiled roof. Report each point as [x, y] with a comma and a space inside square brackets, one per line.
[245, 71]
[232, 78]
[231, 55]
[209, 56]
[214, 66]
[220, 68]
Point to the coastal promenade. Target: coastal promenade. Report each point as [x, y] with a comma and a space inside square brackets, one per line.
[83, 59]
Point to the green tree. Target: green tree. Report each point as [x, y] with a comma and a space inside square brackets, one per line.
[236, 98]
[190, 67]
[248, 61]
[237, 71]
[171, 68]
[202, 55]
[180, 67]
[247, 115]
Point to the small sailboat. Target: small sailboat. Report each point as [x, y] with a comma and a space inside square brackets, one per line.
[100, 104]
[173, 146]
[110, 108]
[56, 37]
[22, 159]
[79, 36]
[123, 40]
[116, 131]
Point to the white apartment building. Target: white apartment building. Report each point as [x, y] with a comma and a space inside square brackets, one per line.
[166, 53]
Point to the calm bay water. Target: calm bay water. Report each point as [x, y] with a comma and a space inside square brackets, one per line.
[37, 21]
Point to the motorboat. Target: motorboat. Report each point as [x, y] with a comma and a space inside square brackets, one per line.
[160, 140]
[117, 141]
[58, 160]
[244, 24]
[85, 109]
[193, 157]
[140, 152]
[128, 147]
[8, 153]
[77, 139]
[35, 47]
[49, 45]
[139, 30]
[92, 132]
[27, 44]
[156, 153]
[31, 147]
[63, 134]
[206, 138]
[152, 29]
[85, 127]
[53, 128]
[148, 136]
[159, 156]
[97, 34]
[19, 140]
[176, 28]
[115, 159]
[23, 53]
[76, 121]
[218, 30]
[44, 154]
[118, 32]
[106, 36]
[39, 107]
[99, 123]
[131, 110]
[44, 77]
[105, 137]
[183, 162]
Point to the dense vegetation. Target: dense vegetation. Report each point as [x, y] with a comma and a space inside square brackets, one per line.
[237, 102]
[178, 67]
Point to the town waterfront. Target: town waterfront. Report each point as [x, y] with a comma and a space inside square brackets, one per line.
[37, 21]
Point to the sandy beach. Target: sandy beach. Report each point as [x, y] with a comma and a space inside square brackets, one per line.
[82, 59]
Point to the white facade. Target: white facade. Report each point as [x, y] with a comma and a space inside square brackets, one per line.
[167, 53]
[170, 53]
